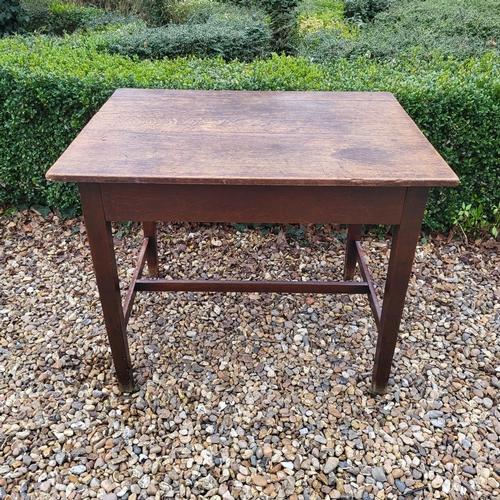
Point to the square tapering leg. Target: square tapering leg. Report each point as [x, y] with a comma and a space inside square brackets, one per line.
[404, 244]
[103, 257]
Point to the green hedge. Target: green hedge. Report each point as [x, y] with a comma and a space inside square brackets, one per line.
[244, 36]
[51, 87]
[12, 17]
[52, 18]
[283, 21]
[445, 27]
[364, 10]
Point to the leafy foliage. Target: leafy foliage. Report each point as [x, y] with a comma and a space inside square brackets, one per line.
[315, 15]
[447, 27]
[12, 17]
[51, 87]
[472, 219]
[239, 35]
[154, 12]
[364, 10]
[47, 16]
[283, 21]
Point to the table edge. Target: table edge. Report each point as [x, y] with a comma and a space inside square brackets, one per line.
[452, 181]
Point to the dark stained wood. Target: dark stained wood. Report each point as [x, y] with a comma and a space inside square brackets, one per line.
[404, 243]
[284, 204]
[217, 156]
[243, 113]
[149, 229]
[365, 273]
[103, 257]
[157, 96]
[302, 160]
[129, 299]
[250, 286]
[351, 253]
[261, 138]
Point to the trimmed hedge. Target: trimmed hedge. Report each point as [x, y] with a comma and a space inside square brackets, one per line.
[52, 18]
[283, 21]
[242, 35]
[51, 87]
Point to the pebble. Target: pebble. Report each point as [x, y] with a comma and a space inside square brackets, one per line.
[493, 483]
[144, 482]
[446, 487]
[488, 403]
[242, 395]
[259, 480]
[400, 485]
[378, 474]
[397, 473]
[78, 469]
[45, 486]
[433, 414]
[485, 473]
[440, 424]
[320, 439]
[330, 465]
[437, 482]
[108, 485]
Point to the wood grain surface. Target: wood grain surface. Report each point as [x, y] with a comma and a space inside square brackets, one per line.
[246, 137]
[283, 204]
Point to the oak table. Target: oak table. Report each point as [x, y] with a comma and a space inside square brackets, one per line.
[242, 156]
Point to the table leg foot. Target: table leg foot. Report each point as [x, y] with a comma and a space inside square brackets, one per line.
[378, 389]
[152, 250]
[126, 386]
[351, 253]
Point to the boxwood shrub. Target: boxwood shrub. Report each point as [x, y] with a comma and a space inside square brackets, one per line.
[364, 10]
[52, 18]
[243, 36]
[51, 87]
[449, 28]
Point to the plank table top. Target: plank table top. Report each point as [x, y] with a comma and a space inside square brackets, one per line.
[252, 138]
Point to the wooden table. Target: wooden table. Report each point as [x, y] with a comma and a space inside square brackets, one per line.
[223, 156]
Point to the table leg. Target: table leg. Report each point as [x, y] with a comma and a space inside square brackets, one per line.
[404, 243]
[103, 257]
[149, 229]
[351, 254]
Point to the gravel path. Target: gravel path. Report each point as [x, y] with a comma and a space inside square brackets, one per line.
[244, 395]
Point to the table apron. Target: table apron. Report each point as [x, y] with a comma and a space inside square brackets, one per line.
[253, 203]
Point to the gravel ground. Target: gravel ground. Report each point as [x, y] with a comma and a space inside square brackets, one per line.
[244, 395]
